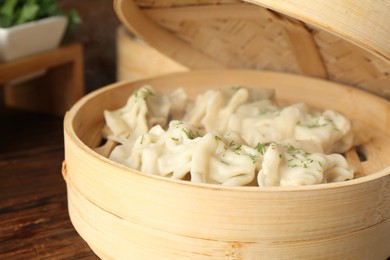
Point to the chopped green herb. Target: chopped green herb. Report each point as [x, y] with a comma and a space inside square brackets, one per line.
[189, 133]
[238, 148]
[144, 93]
[224, 162]
[263, 111]
[260, 148]
[292, 149]
[142, 139]
[231, 143]
[179, 123]
[217, 138]
[175, 139]
[253, 157]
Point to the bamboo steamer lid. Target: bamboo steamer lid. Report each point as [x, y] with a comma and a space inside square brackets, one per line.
[343, 41]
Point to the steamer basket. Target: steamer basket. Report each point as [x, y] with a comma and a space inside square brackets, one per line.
[124, 214]
[343, 41]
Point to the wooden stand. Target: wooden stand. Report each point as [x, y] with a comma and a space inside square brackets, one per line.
[60, 86]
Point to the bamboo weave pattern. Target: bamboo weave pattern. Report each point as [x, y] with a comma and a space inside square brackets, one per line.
[258, 39]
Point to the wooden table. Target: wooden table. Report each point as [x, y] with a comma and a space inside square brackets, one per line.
[34, 221]
[60, 86]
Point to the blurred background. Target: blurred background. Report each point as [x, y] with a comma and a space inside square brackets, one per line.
[97, 35]
[34, 220]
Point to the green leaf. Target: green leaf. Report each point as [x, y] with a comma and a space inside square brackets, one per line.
[15, 12]
[28, 13]
[47, 8]
[7, 12]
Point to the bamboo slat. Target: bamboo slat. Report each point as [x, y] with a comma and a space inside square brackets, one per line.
[114, 208]
[136, 60]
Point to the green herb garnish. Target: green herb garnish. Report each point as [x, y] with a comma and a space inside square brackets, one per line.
[189, 134]
[260, 148]
[237, 149]
[217, 138]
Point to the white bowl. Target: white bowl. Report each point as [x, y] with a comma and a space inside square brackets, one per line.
[31, 38]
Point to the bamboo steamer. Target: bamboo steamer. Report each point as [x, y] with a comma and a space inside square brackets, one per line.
[321, 42]
[124, 214]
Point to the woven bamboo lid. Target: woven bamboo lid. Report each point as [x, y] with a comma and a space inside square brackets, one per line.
[365, 23]
[343, 41]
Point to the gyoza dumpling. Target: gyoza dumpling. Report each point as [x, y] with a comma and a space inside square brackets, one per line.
[144, 109]
[213, 109]
[329, 128]
[286, 164]
[165, 153]
[181, 150]
[224, 160]
[264, 122]
[255, 121]
[228, 136]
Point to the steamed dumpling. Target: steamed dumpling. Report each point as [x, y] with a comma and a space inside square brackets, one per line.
[264, 122]
[224, 160]
[286, 164]
[213, 109]
[165, 153]
[144, 109]
[182, 151]
[232, 137]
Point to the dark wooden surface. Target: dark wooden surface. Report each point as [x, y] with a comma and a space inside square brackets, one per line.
[34, 221]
